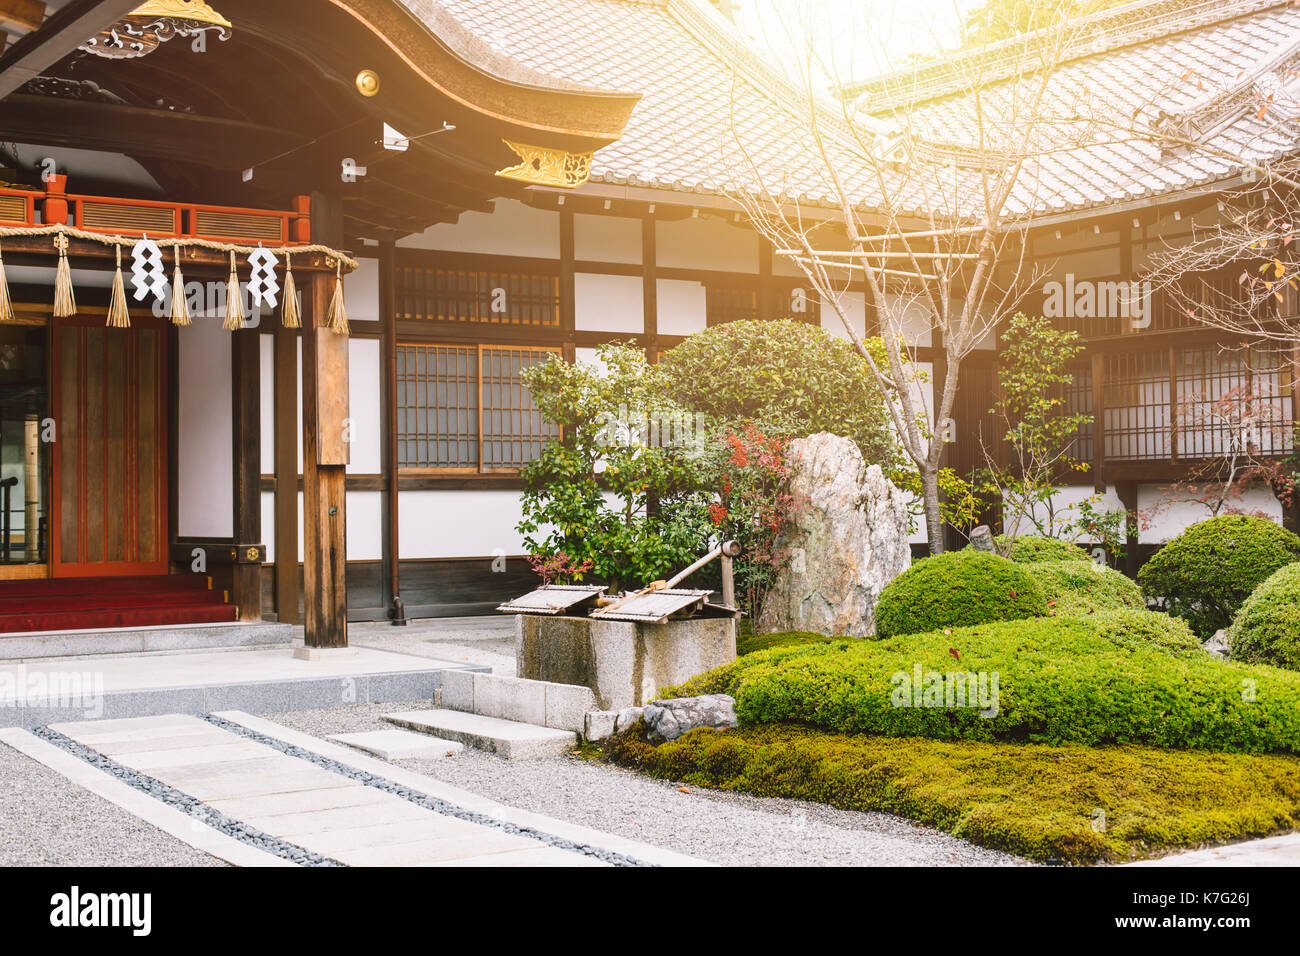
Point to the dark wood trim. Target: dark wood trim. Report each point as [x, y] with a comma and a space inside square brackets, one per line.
[390, 579]
[173, 433]
[1098, 423]
[1128, 497]
[568, 314]
[766, 293]
[68, 28]
[285, 389]
[650, 282]
[246, 442]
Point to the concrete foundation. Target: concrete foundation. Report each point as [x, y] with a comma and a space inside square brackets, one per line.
[625, 664]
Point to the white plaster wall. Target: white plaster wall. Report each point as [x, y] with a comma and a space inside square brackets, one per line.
[607, 239]
[205, 456]
[607, 303]
[911, 318]
[266, 355]
[854, 305]
[1178, 516]
[1066, 501]
[512, 229]
[268, 524]
[681, 306]
[365, 512]
[364, 406]
[706, 242]
[459, 524]
[361, 292]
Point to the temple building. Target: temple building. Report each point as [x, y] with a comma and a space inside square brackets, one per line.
[462, 189]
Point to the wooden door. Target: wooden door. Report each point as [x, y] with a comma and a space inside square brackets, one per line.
[109, 475]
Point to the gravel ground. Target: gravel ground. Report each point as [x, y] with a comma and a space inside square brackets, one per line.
[45, 820]
[731, 829]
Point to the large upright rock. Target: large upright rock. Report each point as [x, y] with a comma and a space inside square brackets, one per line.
[848, 541]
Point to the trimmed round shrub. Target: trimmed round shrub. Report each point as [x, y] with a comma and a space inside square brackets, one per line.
[1032, 548]
[1058, 681]
[1267, 628]
[1206, 573]
[1132, 628]
[955, 589]
[1084, 587]
[785, 373]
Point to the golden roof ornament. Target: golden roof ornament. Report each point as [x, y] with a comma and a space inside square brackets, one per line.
[153, 23]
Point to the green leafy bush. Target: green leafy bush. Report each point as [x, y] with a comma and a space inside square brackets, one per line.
[788, 374]
[1036, 801]
[1059, 681]
[1083, 587]
[1267, 628]
[1132, 628]
[750, 643]
[1207, 572]
[955, 589]
[1031, 548]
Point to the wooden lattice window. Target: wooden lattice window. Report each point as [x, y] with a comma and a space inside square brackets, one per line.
[1136, 399]
[730, 303]
[464, 409]
[491, 294]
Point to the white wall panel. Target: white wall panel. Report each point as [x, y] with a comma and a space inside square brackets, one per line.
[267, 502]
[607, 239]
[361, 292]
[681, 306]
[1176, 518]
[706, 243]
[266, 345]
[854, 305]
[459, 524]
[513, 229]
[205, 456]
[364, 406]
[365, 525]
[605, 303]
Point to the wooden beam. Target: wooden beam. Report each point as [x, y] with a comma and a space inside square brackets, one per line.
[68, 28]
[568, 314]
[650, 282]
[142, 133]
[27, 14]
[246, 415]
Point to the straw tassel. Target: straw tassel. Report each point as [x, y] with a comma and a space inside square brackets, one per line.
[6, 306]
[338, 315]
[118, 316]
[291, 317]
[234, 301]
[180, 308]
[65, 302]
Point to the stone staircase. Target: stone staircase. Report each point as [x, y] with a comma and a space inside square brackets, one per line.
[511, 717]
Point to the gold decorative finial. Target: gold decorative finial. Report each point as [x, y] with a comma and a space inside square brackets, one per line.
[368, 83]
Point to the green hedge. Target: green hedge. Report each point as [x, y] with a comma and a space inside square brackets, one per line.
[1036, 801]
[1207, 572]
[1139, 630]
[1060, 680]
[1032, 548]
[1083, 587]
[751, 643]
[955, 589]
[1267, 628]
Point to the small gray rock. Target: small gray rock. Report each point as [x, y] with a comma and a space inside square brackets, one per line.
[981, 539]
[627, 718]
[669, 719]
[599, 724]
[1218, 645]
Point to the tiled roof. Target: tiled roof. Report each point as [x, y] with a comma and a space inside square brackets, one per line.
[703, 93]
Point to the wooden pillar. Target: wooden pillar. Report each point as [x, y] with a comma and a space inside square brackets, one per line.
[324, 466]
[246, 417]
[1098, 423]
[286, 474]
[1128, 496]
[391, 566]
[650, 285]
[568, 313]
[767, 305]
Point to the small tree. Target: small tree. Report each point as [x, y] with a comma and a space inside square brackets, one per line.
[1038, 432]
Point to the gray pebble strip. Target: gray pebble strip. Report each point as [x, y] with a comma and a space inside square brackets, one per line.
[422, 799]
[186, 804]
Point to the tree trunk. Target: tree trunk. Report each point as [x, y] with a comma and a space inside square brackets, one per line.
[933, 515]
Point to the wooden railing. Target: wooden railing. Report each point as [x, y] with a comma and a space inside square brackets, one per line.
[155, 218]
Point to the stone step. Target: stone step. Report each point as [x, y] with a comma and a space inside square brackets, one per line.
[505, 738]
[537, 702]
[400, 744]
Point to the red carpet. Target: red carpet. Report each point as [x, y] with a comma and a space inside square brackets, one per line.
[62, 604]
